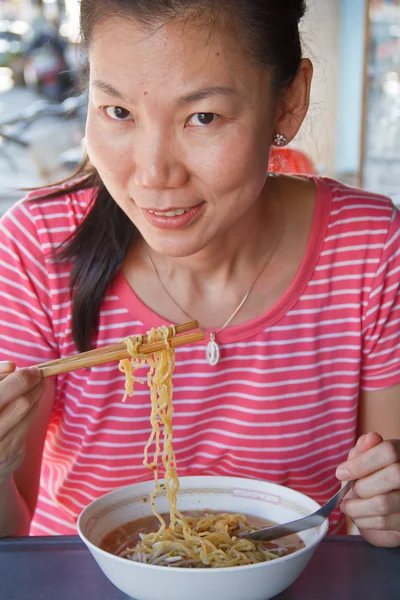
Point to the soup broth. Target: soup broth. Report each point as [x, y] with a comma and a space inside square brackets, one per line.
[123, 540]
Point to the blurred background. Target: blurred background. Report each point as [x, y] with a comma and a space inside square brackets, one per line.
[350, 133]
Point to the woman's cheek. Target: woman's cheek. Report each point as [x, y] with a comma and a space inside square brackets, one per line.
[107, 152]
[232, 163]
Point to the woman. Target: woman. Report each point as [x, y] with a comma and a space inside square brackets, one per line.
[295, 280]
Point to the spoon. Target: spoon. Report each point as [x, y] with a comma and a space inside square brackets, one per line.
[313, 520]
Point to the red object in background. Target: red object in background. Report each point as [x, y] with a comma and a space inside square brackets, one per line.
[290, 161]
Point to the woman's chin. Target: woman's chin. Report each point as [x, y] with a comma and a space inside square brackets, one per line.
[174, 248]
[176, 244]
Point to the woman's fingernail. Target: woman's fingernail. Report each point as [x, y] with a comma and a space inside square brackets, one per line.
[361, 439]
[342, 473]
[35, 371]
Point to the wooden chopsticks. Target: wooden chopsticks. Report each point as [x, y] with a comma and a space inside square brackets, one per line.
[116, 352]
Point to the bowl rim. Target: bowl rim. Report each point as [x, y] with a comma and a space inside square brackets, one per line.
[307, 547]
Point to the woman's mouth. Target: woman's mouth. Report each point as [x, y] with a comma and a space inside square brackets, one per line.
[170, 213]
[173, 218]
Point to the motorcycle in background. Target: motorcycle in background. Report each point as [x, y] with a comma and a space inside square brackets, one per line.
[44, 70]
[46, 67]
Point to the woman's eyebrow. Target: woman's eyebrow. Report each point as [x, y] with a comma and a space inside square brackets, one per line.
[108, 89]
[202, 94]
[206, 93]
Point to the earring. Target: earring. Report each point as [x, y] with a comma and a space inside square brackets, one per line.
[280, 140]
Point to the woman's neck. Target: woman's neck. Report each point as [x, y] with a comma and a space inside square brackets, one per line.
[238, 254]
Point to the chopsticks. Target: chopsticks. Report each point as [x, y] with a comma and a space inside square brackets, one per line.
[118, 351]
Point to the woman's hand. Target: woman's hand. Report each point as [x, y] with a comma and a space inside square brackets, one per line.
[374, 503]
[19, 394]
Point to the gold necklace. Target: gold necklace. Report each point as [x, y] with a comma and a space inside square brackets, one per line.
[213, 352]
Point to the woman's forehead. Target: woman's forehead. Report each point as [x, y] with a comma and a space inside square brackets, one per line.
[171, 54]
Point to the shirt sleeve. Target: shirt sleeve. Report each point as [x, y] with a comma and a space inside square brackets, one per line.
[26, 331]
[381, 327]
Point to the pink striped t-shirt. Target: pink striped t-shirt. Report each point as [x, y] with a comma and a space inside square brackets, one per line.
[282, 403]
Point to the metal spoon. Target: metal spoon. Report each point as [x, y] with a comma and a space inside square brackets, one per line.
[313, 520]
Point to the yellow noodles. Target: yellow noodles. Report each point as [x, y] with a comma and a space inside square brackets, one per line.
[129, 365]
[208, 541]
[160, 383]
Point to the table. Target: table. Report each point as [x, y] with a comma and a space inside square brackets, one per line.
[61, 568]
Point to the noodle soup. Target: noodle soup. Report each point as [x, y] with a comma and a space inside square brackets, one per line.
[104, 521]
[220, 547]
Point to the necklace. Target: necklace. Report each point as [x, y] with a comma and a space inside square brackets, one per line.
[213, 352]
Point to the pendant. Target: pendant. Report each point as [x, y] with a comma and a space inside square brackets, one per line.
[212, 351]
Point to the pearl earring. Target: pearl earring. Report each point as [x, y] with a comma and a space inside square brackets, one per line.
[280, 140]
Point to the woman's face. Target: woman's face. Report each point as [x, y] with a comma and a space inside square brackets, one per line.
[179, 129]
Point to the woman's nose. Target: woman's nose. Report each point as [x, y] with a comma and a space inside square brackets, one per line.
[157, 166]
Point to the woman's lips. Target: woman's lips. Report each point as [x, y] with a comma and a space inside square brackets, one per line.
[179, 221]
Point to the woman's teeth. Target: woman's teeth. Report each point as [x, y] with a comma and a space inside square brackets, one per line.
[170, 213]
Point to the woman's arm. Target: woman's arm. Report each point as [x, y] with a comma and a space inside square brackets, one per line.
[27, 476]
[24, 418]
[374, 506]
[28, 288]
[380, 411]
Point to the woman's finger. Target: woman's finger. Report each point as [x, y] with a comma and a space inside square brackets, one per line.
[379, 505]
[12, 445]
[364, 443]
[379, 523]
[375, 459]
[6, 368]
[381, 482]
[16, 410]
[17, 384]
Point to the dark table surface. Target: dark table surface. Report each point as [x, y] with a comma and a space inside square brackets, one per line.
[61, 568]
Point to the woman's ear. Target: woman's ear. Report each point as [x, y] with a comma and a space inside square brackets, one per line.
[294, 103]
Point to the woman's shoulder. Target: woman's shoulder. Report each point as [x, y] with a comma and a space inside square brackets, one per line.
[359, 225]
[335, 199]
[348, 199]
[60, 202]
[50, 215]
[359, 218]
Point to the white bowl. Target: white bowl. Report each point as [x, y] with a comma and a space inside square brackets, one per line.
[225, 494]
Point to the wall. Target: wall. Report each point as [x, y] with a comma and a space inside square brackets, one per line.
[321, 36]
[351, 88]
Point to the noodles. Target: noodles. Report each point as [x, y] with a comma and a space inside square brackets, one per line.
[189, 541]
[160, 383]
[129, 366]
[209, 541]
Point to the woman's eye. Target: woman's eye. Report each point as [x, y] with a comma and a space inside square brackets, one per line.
[202, 119]
[118, 113]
